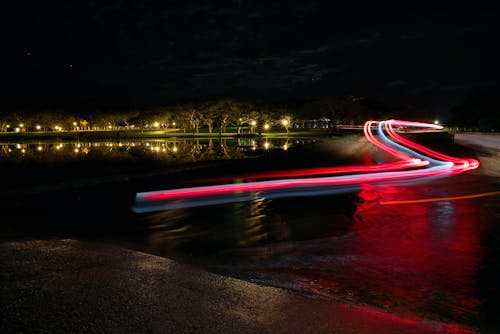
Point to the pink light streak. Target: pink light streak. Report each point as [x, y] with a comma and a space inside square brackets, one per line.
[407, 169]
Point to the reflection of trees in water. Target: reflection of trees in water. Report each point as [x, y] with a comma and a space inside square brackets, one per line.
[180, 150]
[175, 150]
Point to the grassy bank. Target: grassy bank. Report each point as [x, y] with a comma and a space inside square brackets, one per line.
[130, 134]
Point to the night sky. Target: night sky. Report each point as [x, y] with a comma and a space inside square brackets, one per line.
[133, 53]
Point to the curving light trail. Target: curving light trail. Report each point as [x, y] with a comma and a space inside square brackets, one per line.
[439, 199]
[416, 163]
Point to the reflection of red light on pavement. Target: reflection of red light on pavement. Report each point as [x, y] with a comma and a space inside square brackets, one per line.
[408, 168]
[391, 321]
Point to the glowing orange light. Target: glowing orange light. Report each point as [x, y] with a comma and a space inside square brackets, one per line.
[438, 199]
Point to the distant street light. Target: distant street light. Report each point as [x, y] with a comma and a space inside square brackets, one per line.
[266, 126]
[286, 123]
[253, 124]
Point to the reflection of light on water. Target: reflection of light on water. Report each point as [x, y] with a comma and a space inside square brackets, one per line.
[168, 230]
[443, 219]
[217, 228]
[177, 150]
[254, 230]
[415, 254]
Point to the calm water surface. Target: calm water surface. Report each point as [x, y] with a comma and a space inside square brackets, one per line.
[436, 260]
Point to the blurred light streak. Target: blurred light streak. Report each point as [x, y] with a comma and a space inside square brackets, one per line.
[437, 165]
[397, 165]
[437, 199]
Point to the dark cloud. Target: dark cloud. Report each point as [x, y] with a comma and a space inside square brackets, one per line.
[140, 52]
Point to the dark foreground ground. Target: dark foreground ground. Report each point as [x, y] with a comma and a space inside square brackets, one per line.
[69, 286]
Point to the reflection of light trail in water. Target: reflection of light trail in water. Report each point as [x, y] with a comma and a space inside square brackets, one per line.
[437, 165]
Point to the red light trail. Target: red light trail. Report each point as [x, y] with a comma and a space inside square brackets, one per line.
[416, 163]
